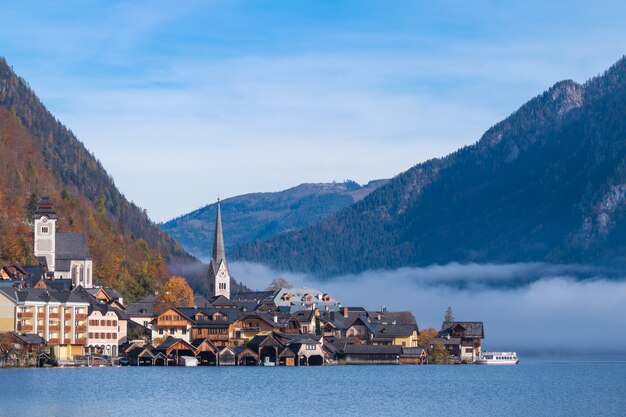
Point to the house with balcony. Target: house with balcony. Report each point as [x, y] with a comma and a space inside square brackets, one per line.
[60, 317]
[172, 322]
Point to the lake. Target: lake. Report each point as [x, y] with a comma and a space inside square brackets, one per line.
[539, 386]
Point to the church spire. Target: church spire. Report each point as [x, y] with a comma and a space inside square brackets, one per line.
[218, 241]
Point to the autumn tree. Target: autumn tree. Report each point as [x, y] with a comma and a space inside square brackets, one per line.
[439, 354]
[449, 315]
[426, 335]
[175, 293]
[278, 283]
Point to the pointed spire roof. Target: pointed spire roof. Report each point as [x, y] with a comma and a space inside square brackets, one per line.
[218, 241]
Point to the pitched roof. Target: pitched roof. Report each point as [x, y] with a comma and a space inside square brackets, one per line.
[30, 338]
[142, 308]
[372, 350]
[471, 329]
[71, 246]
[396, 329]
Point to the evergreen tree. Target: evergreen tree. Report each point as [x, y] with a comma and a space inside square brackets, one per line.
[449, 316]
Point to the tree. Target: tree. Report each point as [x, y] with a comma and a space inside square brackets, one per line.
[175, 293]
[426, 335]
[439, 354]
[449, 316]
[278, 283]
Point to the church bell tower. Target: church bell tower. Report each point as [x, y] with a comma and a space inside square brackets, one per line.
[45, 219]
[219, 276]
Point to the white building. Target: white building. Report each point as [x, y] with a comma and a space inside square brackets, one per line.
[65, 255]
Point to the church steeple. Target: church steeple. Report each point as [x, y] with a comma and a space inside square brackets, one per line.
[218, 239]
[219, 276]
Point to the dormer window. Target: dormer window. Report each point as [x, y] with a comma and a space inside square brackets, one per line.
[286, 296]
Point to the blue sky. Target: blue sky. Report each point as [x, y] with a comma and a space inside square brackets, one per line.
[189, 100]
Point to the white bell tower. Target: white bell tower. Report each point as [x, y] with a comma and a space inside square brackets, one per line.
[45, 219]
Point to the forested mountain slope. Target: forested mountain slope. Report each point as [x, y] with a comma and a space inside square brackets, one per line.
[256, 216]
[546, 184]
[40, 155]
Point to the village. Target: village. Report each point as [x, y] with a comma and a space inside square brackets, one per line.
[54, 314]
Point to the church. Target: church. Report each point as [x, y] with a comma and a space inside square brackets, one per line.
[219, 276]
[62, 255]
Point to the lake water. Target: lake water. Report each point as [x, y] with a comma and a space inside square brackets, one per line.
[539, 386]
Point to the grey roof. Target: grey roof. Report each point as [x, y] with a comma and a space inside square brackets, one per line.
[30, 338]
[414, 351]
[71, 246]
[372, 350]
[42, 295]
[470, 329]
[254, 296]
[446, 341]
[395, 330]
[142, 308]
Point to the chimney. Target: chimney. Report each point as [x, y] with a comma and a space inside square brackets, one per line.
[275, 318]
[345, 312]
[393, 322]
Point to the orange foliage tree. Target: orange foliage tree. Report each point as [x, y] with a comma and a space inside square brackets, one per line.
[426, 335]
[175, 293]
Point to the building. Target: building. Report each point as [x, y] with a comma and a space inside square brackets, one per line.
[63, 255]
[58, 317]
[466, 336]
[107, 323]
[219, 276]
[294, 299]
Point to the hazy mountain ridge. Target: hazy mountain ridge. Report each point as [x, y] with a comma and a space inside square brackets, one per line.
[255, 216]
[547, 183]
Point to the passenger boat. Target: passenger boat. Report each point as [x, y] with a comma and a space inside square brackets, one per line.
[498, 358]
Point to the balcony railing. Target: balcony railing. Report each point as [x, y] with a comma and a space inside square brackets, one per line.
[81, 316]
[25, 314]
[67, 329]
[67, 316]
[53, 315]
[53, 340]
[25, 327]
[67, 341]
[55, 328]
[80, 328]
[80, 341]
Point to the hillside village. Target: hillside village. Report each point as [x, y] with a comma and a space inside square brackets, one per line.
[54, 313]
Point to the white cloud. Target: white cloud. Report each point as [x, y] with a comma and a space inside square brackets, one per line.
[557, 311]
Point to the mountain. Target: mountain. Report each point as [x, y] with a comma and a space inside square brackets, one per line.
[257, 216]
[40, 155]
[546, 184]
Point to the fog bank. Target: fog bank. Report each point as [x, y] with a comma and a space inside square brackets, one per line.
[559, 308]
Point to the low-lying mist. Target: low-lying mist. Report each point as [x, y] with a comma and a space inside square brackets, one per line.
[528, 307]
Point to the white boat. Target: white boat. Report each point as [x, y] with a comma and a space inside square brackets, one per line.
[498, 358]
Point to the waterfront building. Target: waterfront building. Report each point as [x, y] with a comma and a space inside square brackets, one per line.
[58, 317]
[462, 339]
[219, 275]
[173, 323]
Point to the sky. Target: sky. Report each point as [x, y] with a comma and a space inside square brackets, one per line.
[185, 101]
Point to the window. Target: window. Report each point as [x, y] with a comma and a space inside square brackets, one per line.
[310, 347]
[108, 322]
[160, 331]
[184, 331]
[171, 330]
[145, 323]
[45, 230]
[468, 350]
